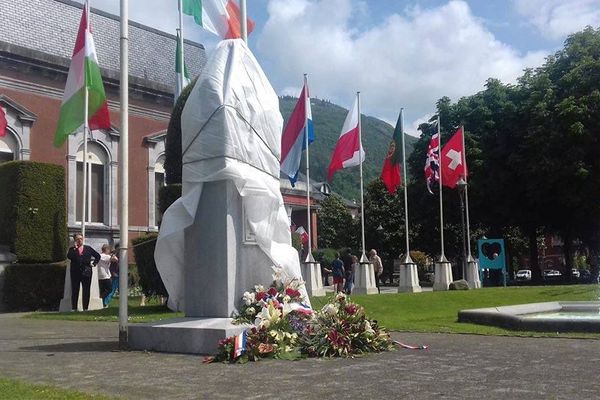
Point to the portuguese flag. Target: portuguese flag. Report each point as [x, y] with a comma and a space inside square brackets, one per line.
[390, 175]
[83, 72]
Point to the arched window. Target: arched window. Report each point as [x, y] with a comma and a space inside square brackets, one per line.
[9, 147]
[97, 162]
[159, 182]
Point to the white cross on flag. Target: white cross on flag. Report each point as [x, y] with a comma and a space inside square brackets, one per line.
[453, 161]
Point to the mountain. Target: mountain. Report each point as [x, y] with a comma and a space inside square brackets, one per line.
[328, 119]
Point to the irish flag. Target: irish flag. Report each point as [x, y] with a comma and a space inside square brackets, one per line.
[178, 72]
[221, 17]
[83, 72]
[348, 150]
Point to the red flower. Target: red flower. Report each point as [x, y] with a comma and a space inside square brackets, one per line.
[261, 296]
[351, 308]
[292, 292]
[272, 291]
[276, 304]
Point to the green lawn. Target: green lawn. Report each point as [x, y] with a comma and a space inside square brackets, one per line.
[14, 389]
[409, 312]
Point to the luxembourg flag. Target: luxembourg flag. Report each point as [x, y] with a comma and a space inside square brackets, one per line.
[293, 141]
[239, 346]
[348, 150]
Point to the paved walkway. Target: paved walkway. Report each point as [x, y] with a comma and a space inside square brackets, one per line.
[85, 356]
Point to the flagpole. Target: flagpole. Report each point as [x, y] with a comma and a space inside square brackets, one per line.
[407, 258]
[180, 77]
[443, 255]
[84, 194]
[363, 258]
[464, 161]
[243, 20]
[123, 175]
[309, 256]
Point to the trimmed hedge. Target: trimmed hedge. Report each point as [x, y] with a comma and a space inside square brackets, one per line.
[33, 211]
[173, 160]
[31, 287]
[150, 281]
[167, 196]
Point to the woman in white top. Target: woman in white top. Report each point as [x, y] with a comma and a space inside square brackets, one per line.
[104, 273]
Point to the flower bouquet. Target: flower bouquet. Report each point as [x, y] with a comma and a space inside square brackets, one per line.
[285, 327]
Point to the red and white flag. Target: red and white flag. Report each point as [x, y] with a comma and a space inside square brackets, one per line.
[348, 150]
[3, 122]
[453, 160]
[303, 234]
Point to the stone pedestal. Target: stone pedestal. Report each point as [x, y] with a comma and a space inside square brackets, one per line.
[409, 278]
[443, 275]
[183, 335]
[364, 279]
[473, 274]
[222, 261]
[311, 273]
[95, 299]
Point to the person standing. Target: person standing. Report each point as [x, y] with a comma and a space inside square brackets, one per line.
[337, 270]
[350, 275]
[377, 266]
[82, 258]
[114, 276]
[104, 275]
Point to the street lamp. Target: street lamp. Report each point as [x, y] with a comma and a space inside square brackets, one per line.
[462, 187]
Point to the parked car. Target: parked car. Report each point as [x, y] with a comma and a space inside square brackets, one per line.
[524, 275]
[585, 276]
[551, 274]
[575, 273]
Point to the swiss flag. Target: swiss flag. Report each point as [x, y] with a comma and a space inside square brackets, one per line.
[453, 161]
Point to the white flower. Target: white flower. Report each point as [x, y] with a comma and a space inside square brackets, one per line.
[330, 309]
[250, 311]
[368, 328]
[259, 288]
[249, 298]
[340, 297]
[286, 299]
[277, 273]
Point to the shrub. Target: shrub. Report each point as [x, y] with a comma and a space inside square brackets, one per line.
[149, 278]
[173, 141]
[325, 257]
[33, 211]
[30, 287]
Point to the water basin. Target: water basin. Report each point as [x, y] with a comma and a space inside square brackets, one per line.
[555, 316]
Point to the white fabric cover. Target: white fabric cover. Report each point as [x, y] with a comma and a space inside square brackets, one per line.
[231, 130]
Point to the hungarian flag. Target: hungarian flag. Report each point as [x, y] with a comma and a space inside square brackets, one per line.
[348, 150]
[453, 160]
[3, 122]
[221, 17]
[83, 72]
[178, 72]
[432, 166]
[293, 140]
[390, 175]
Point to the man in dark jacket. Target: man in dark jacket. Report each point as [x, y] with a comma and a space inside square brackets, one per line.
[82, 257]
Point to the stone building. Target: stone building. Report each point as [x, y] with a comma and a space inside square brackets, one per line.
[36, 42]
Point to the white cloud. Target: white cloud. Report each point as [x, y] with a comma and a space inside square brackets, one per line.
[558, 18]
[410, 59]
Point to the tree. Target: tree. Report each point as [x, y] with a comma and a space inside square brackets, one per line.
[336, 227]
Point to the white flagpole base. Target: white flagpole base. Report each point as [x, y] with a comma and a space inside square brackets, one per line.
[443, 275]
[311, 273]
[364, 279]
[473, 275]
[409, 278]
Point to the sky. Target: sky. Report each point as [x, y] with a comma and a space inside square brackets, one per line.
[397, 53]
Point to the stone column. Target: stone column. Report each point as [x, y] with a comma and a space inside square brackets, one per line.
[311, 273]
[409, 278]
[473, 273]
[364, 279]
[443, 274]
